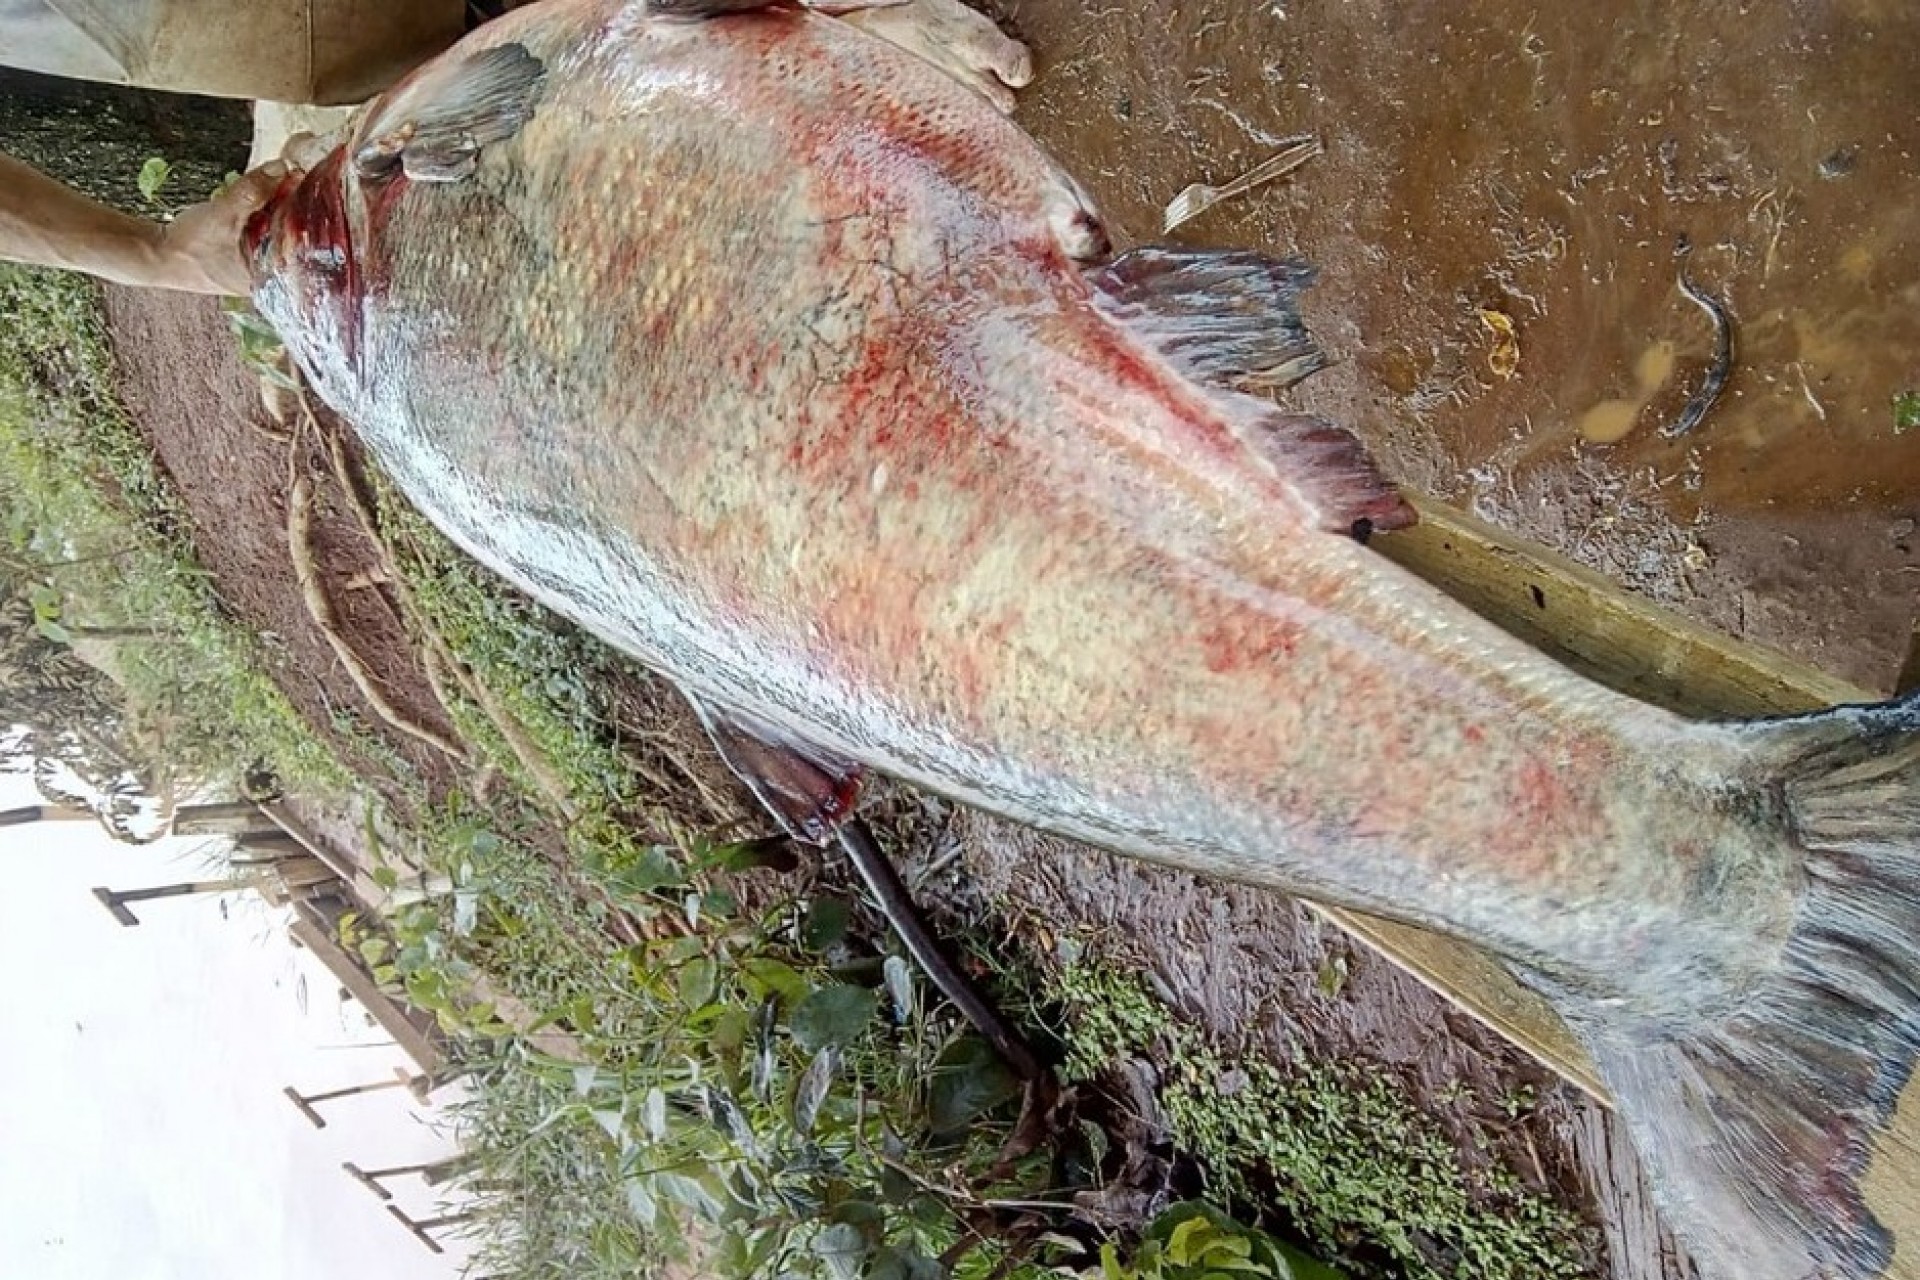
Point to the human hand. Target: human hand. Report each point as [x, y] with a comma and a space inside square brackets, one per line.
[200, 252]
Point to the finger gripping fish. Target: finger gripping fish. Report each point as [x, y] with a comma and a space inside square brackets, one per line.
[779, 359]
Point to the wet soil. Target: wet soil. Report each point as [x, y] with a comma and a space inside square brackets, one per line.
[1539, 163]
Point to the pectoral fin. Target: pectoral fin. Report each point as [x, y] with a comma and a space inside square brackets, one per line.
[434, 125]
[809, 791]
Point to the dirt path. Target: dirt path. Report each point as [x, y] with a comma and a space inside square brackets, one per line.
[233, 465]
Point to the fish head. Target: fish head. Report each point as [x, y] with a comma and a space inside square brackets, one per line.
[300, 246]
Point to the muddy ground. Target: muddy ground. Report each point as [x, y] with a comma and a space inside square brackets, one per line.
[1538, 162]
[1532, 162]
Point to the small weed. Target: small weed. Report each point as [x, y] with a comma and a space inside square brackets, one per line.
[1906, 412]
[102, 543]
[152, 178]
[1349, 1160]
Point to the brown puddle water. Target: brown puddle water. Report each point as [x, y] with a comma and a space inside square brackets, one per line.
[1538, 162]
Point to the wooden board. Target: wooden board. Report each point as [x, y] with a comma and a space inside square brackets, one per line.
[1639, 648]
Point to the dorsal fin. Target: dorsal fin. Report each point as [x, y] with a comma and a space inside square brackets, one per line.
[435, 124]
[695, 10]
[1230, 319]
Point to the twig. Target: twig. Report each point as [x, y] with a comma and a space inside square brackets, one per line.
[1199, 197]
[313, 593]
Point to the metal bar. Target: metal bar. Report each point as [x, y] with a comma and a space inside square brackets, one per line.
[371, 1181]
[419, 1229]
[306, 1109]
[306, 1101]
[111, 901]
[116, 900]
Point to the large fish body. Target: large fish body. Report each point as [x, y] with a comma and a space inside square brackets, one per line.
[780, 360]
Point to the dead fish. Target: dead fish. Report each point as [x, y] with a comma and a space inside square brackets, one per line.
[782, 361]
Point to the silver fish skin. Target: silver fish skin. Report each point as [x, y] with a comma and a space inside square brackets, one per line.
[779, 360]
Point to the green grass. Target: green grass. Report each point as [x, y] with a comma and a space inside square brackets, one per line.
[1344, 1155]
[733, 1087]
[90, 521]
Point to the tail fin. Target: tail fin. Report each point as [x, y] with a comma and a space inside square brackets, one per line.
[1773, 1131]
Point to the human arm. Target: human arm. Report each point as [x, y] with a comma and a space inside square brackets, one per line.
[47, 224]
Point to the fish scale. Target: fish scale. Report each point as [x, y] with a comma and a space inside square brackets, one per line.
[776, 358]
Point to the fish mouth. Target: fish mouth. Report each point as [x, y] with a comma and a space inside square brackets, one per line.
[261, 233]
[303, 227]
[300, 250]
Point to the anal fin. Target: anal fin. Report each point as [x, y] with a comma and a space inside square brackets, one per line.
[1230, 320]
[807, 790]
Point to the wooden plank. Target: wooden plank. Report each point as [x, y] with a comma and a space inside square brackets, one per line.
[415, 1043]
[1640, 648]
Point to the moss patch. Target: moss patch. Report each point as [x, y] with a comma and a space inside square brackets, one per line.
[1361, 1174]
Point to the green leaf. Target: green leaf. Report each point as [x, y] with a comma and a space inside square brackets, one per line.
[843, 1248]
[833, 1015]
[153, 176]
[770, 977]
[1180, 1245]
[864, 1214]
[690, 1192]
[898, 975]
[698, 980]
[729, 1032]
[653, 1113]
[52, 630]
[640, 1200]
[969, 1080]
[1295, 1265]
[764, 1022]
[826, 923]
[466, 912]
[611, 1122]
[653, 869]
[730, 1120]
[815, 1083]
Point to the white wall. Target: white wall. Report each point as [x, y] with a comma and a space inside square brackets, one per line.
[143, 1132]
